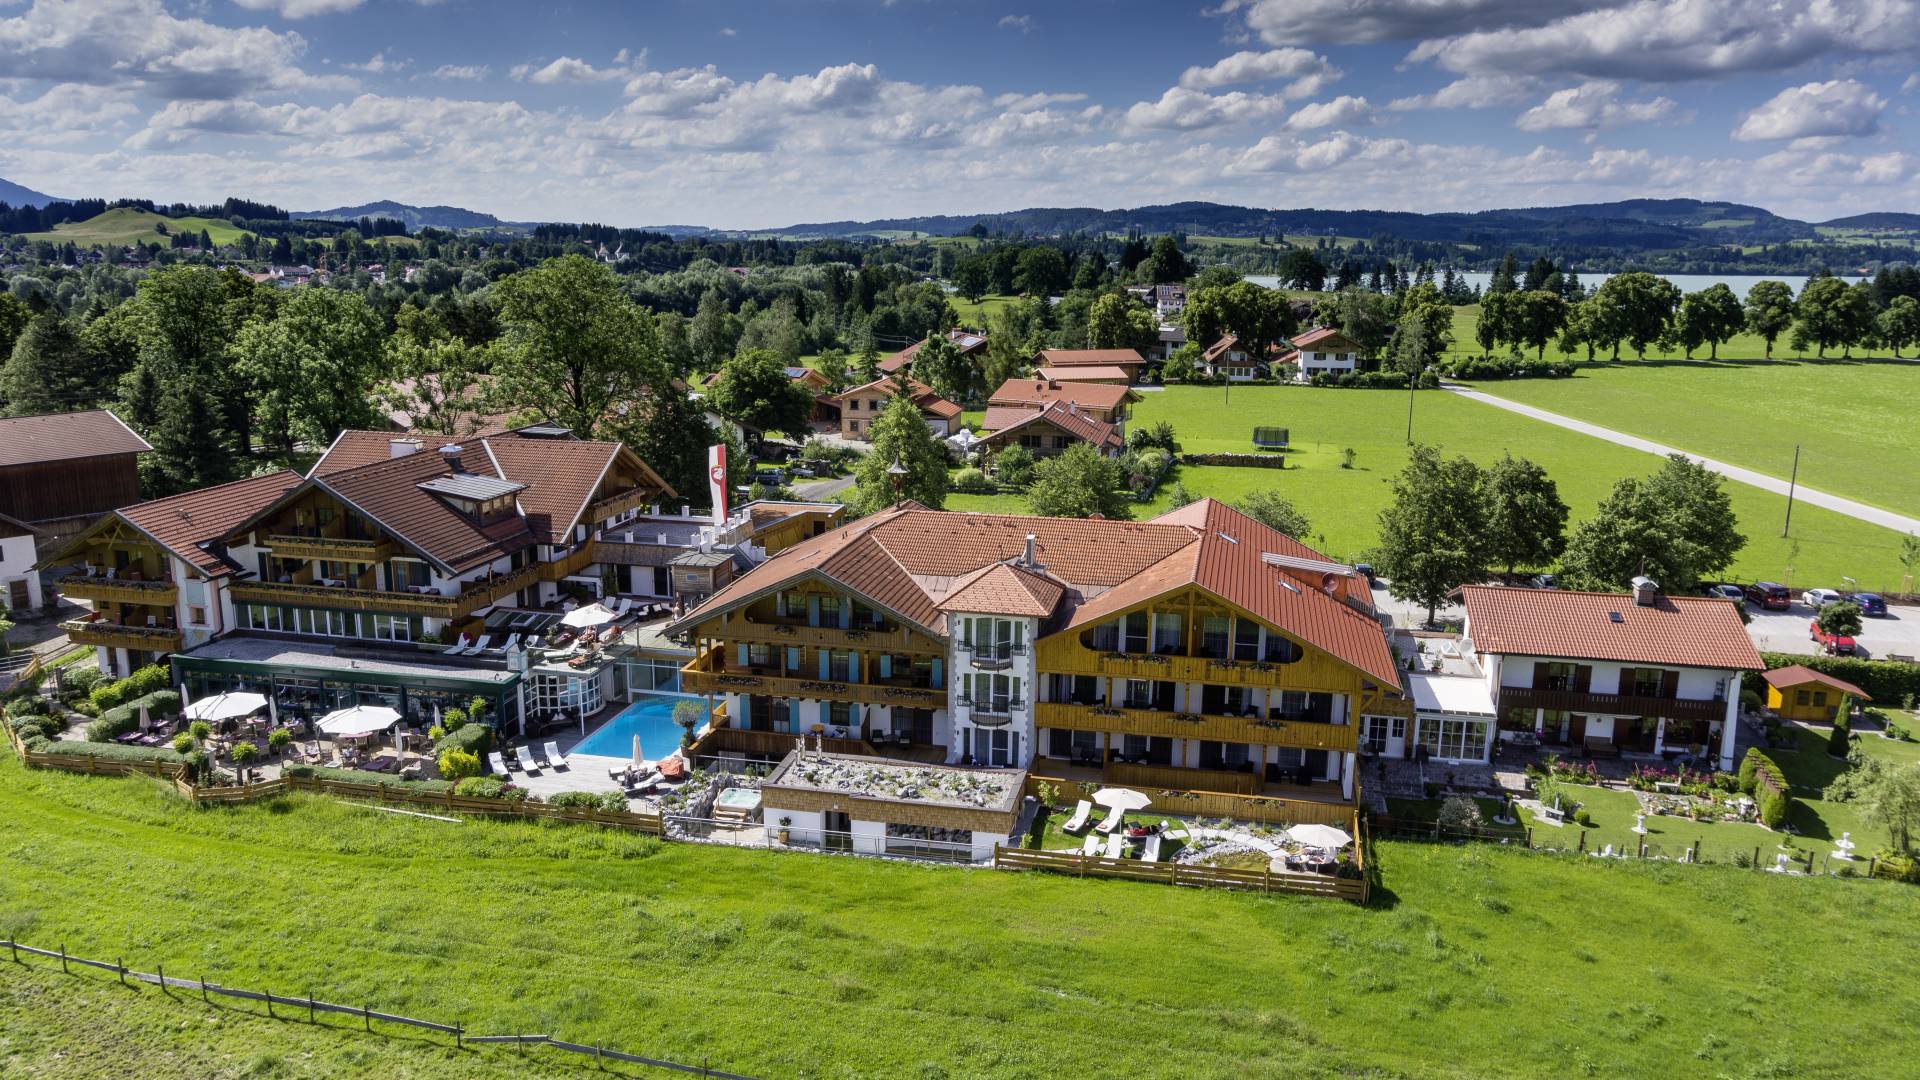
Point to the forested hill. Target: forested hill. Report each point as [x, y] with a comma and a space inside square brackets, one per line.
[415, 217]
[1638, 224]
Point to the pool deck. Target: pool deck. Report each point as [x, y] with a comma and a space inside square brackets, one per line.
[585, 772]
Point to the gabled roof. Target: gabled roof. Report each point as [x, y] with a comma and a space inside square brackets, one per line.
[1326, 339]
[389, 493]
[919, 563]
[1228, 344]
[351, 449]
[1800, 675]
[966, 341]
[1682, 631]
[1004, 419]
[1005, 589]
[1082, 357]
[561, 477]
[1085, 373]
[189, 524]
[1035, 393]
[923, 396]
[33, 440]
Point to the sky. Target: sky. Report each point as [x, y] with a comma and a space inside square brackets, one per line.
[760, 113]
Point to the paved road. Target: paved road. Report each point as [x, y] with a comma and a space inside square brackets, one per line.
[1872, 515]
[822, 490]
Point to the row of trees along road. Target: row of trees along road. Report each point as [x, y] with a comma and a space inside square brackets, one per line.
[1643, 311]
[1452, 523]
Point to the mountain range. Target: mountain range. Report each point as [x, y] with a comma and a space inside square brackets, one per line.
[14, 195]
[415, 217]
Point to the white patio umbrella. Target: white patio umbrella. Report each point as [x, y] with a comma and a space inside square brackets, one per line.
[1320, 836]
[145, 722]
[593, 614]
[228, 706]
[1119, 798]
[359, 720]
[637, 759]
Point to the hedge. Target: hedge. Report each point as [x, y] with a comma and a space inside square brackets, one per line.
[475, 739]
[1770, 788]
[121, 719]
[109, 751]
[1269, 460]
[139, 684]
[1890, 682]
[362, 776]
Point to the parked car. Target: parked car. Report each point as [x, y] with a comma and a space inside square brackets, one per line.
[1838, 644]
[1727, 592]
[802, 471]
[1365, 570]
[1870, 603]
[1769, 595]
[1819, 598]
[771, 477]
[1542, 581]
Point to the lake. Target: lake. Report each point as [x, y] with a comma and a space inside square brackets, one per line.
[1739, 283]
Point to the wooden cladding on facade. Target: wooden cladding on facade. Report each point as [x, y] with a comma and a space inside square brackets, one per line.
[1303, 734]
[75, 487]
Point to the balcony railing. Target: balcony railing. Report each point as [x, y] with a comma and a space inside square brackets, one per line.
[993, 657]
[1307, 673]
[833, 637]
[115, 635]
[431, 605]
[332, 548]
[118, 590]
[709, 673]
[1264, 731]
[1517, 697]
[619, 503]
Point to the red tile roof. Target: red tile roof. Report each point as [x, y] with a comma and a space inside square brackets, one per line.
[352, 449]
[1686, 631]
[1005, 589]
[1085, 373]
[1003, 419]
[1083, 357]
[1327, 339]
[1034, 393]
[1800, 675]
[923, 396]
[187, 523]
[562, 476]
[389, 493]
[32, 440]
[966, 341]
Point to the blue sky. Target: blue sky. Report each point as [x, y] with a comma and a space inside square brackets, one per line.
[746, 114]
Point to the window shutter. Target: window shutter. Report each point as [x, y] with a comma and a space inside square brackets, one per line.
[1540, 670]
[937, 682]
[813, 610]
[826, 660]
[886, 665]
[1583, 677]
[793, 658]
[743, 653]
[1669, 684]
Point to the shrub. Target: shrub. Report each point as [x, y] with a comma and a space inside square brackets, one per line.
[112, 724]
[1582, 818]
[456, 764]
[1014, 466]
[82, 680]
[244, 752]
[30, 704]
[278, 739]
[454, 717]
[482, 787]
[590, 800]
[200, 730]
[357, 776]
[1840, 741]
[1749, 768]
[688, 714]
[475, 739]
[182, 743]
[972, 481]
[42, 725]
[1459, 812]
[1750, 700]
[1773, 809]
[436, 733]
[139, 684]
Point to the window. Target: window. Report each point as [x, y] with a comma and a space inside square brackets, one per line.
[1819, 697]
[1377, 730]
[996, 694]
[1215, 633]
[409, 574]
[759, 655]
[1802, 697]
[1455, 739]
[1280, 650]
[396, 628]
[1066, 744]
[1136, 632]
[1167, 638]
[196, 615]
[842, 714]
[261, 617]
[1246, 639]
[840, 665]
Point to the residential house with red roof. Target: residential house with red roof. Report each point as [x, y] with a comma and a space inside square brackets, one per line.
[1200, 651]
[861, 405]
[1322, 351]
[971, 345]
[1127, 360]
[1105, 402]
[1229, 359]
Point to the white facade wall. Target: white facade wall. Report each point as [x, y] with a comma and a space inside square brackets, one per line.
[16, 564]
[1313, 363]
[1019, 724]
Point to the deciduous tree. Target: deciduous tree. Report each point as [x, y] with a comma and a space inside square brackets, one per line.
[1676, 526]
[755, 390]
[1526, 518]
[1433, 535]
[900, 434]
[1769, 311]
[1275, 511]
[574, 345]
[1079, 483]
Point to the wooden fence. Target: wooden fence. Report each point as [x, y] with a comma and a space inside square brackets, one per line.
[313, 1007]
[1171, 873]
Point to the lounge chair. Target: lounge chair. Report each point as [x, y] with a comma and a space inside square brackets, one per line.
[478, 647]
[1111, 822]
[1150, 852]
[497, 763]
[458, 647]
[558, 759]
[511, 644]
[1116, 846]
[1079, 819]
[622, 606]
[1168, 828]
[531, 758]
[1091, 845]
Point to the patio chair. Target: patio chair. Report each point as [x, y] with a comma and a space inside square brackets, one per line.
[1116, 847]
[497, 763]
[1090, 846]
[1111, 822]
[1079, 819]
[1150, 852]
[511, 643]
[558, 759]
[457, 647]
[532, 759]
[1168, 828]
[478, 647]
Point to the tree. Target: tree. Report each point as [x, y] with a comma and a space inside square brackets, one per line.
[1854, 313]
[1182, 364]
[1041, 271]
[1433, 536]
[574, 345]
[1360, 314]
[1676, 526]
[714, 331]
[1117, 321]
[14, 317]
[1079, 483]
[901, 434]
[1719, 315]
[49, 370]
[754, 390]
[1259, 317]
[1275, 511]
[1840, 619]
[1526, 518]
[1820, 315]
[312, 370]
[1769, 311]
[1643, 305]
[1892, 802]
[434, 382]
[1503, 277]
[1301, 268]
[1535, 317]
[1013, 465]
[183, 457]
[1899, 324]
[1424, 332]
[832, 366]
[971, 277]
[941, 365]
[671, 433]
[1491, 327]
[1167, 263]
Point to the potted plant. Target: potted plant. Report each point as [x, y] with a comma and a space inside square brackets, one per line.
[786, 828]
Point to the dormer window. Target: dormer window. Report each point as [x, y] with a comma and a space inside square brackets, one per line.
[482, 499]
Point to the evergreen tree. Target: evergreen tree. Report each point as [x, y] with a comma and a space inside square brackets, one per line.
[1504, 276]
[49, 371]
[183, 457]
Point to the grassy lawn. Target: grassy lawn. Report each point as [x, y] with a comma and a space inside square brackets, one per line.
[1851, 420]
[124, 225]
[810, 966]
[1343, 504]
[975, 314]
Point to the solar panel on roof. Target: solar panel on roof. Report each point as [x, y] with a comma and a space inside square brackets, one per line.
[470, 486]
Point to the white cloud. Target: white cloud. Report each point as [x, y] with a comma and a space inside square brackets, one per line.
[1030, 102]
[300, 9]
[1912, 84]
[380, 63]
[567, 69]
[1472, 92]
[1181, 109]
[1022, 23]
[728, 31]
[1671, 40]
[1248, 66]
[1345, 109]
[1282, 22]
[138, 43]
[1838, 107]
[462, 72]
[1591, 105]
[64, 114]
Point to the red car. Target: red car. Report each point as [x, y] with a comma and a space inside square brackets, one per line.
[1839, 644]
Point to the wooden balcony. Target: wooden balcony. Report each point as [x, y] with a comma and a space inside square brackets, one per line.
[480, 593]
[430, 605]
[619, 503]
[1303, 734]
[775, 745]
[571, 563]
[113, 635]
[119, 590]
[828, 637]
[1310, 672]
[708, 674]
[1580, 701]
[332, 548]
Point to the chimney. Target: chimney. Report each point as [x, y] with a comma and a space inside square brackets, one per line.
[401, 447]
[1646, 591]
[451, 455]
[1029, 559]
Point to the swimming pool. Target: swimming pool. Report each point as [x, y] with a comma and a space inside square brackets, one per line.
[650, 717]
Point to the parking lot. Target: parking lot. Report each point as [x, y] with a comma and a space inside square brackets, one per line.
[1895, 634]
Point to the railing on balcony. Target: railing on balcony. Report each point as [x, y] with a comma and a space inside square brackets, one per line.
[113, 635]
[1518, 697]
[118, 590]
[1264, 731]
[432, 605]
[303, 545]
[618, 503]
[799, 633]
[994, 656]
[1307, 673]
[571, 563]
[710, 673]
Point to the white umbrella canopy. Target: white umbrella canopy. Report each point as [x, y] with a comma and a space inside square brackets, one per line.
[359, 720]
[1121, 798]
[1322, 836]
[591, 615]
[637, 759]
[227, 706]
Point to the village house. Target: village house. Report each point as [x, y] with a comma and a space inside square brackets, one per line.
[1126, 360]
[1048, 430]
[860, 407]
[1322, 351]
[1092, 373]
[1229, 360]
[19, 582]
[1801, 693]
[970, 344]
[61, 470]
[1104, 402]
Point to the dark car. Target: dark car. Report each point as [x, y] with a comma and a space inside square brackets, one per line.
[1870, 603]
[1769, 595]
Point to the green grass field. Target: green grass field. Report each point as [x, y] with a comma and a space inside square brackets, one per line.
[124, 225]
[1476, 961]
[976, 315]
[1343, 504]
[1853, 422]
[1743, 346]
